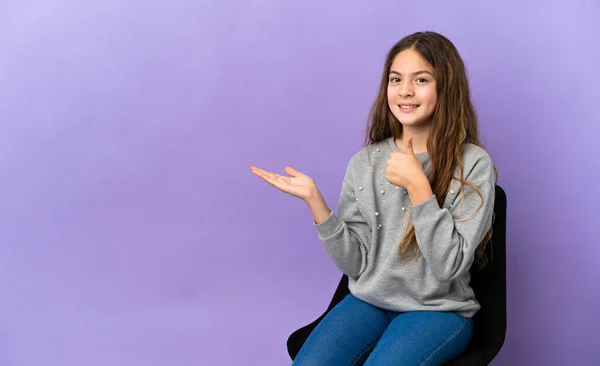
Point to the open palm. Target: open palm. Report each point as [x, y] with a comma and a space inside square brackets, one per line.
[297, 184]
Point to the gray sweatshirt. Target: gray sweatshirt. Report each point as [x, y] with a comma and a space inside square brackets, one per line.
[363, 239]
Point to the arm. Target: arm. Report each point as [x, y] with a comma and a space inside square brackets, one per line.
[448, 236]
[345, 238]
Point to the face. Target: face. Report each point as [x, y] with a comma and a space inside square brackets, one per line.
[411, 89]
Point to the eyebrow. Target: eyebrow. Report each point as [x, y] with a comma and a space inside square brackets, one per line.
[416, 73]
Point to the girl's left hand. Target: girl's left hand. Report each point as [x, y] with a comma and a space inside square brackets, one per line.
[403, 169]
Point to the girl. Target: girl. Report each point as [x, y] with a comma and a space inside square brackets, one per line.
[415, 210]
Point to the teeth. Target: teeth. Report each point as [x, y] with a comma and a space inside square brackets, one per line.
[408, 106]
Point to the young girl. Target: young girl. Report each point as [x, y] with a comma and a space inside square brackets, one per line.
[415, 210]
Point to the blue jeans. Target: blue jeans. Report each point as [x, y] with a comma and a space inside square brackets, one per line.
[355, 332]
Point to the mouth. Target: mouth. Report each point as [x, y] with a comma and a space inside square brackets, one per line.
[408, 107]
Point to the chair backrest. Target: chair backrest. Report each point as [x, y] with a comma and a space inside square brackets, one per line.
[489, 283]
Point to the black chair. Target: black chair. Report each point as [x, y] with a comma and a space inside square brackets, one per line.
[489, 285]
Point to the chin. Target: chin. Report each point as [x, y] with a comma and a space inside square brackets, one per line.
[409, 121]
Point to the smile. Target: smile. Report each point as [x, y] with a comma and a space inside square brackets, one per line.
[408, 108]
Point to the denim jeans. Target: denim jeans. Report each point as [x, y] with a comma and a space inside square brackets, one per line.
[356, 333]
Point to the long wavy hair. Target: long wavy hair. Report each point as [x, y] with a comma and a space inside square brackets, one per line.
[453, 124]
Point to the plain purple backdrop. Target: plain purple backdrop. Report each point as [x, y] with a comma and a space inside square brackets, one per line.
[133, 232]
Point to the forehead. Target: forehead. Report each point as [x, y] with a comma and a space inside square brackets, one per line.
[410, 61]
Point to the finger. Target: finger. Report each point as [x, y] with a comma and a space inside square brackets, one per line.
[409, 146]
[268, 177]
[291, 171]
[263, 172]
[255, 169]
[281, 178]
[275, 176]
[276, 180]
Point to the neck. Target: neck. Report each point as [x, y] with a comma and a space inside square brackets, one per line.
[419, 139]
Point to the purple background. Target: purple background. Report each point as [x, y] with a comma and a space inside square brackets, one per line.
[133, 232]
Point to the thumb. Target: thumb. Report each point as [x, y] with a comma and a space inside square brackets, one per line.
[409, 146]
[291, 171]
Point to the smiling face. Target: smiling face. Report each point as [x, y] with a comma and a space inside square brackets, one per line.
[411, 90]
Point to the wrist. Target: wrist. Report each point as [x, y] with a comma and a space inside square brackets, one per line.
[318, 207]
[419, 191]
[417, 185]
[314, 196]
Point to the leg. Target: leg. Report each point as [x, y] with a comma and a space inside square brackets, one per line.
[345, 336]
[422, 338]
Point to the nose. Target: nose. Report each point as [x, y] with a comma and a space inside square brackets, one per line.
[405, 90]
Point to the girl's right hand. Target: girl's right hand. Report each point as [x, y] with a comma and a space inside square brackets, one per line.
[297, 184]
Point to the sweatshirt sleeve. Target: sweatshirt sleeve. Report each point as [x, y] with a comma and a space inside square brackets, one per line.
[346, 236]
[448, 236]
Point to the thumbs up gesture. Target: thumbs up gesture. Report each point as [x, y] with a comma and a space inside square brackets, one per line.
[403, 169]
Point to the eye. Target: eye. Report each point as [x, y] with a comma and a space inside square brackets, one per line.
[422, 80]
[394, 80]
